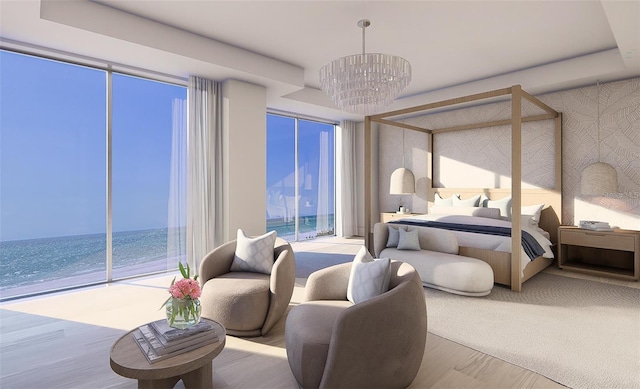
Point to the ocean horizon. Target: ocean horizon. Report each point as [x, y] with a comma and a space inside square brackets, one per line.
[42, 264]
[32, 262]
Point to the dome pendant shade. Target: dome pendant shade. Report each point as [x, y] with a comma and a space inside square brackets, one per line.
[402, 182]
[599, 178]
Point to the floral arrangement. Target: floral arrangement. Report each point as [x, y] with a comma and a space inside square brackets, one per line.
[183, 302]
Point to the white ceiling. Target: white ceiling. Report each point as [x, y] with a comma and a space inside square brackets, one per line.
[455, 47]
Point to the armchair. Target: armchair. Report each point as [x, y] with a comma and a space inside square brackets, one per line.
[246, 303]
[380, 342]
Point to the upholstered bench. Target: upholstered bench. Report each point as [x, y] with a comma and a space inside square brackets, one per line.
[437, 261]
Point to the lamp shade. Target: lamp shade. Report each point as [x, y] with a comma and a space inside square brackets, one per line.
[402, 182]
[598, 178]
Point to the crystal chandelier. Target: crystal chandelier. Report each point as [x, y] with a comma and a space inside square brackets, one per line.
[365, 83]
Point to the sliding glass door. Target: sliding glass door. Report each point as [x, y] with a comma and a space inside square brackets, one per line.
[52, 175]
[54, 168]
[148, 176]
[300, 177]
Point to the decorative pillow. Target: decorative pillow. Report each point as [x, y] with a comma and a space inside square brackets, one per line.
[369, 278]
[254, 254]
[491, 213]
[440, 201]
[470, 202]
[504, 205]
[394, 235]
[408, 240]
[534, 212]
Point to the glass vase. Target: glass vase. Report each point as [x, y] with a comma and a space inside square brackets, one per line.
[183, 313]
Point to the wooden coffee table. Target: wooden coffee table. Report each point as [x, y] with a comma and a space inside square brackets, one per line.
[194, 367]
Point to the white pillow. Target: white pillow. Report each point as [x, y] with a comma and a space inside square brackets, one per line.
[394, 236]
[534, 212]
[408, 240]
[254, 254]
[470, 202]
[491, 213]
[504, 205]
[369, 278]
[440, 201]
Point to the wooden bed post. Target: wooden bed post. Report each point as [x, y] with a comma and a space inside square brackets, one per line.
[367, 183]
[559, 165]
[516, 187]
[429, 168]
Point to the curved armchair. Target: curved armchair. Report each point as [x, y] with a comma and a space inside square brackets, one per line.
[246, 303]
[380, 342]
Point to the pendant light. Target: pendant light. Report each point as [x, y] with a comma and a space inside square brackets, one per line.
[598, 178]
[365, 83]
[402, 179]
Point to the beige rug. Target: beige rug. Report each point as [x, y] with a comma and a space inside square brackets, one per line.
[580, 333]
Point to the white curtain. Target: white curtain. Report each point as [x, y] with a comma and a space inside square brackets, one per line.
[177, 204]
[204, 162]
[348, 215]
[322, 211]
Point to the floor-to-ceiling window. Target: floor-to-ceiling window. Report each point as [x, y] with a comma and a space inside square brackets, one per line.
[54, 187]
[300, 177]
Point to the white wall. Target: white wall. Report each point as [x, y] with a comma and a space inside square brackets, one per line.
[244, 158]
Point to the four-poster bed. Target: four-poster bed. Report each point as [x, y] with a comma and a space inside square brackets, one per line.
[507, 267]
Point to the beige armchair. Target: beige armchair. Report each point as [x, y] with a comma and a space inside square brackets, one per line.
[246, 303]
[378, 343]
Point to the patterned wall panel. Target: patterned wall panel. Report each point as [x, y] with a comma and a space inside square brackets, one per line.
[482, 157]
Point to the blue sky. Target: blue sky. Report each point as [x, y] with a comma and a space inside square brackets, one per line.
[281, 156]
[53, 149]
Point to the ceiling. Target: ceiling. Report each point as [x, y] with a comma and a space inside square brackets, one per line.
[455, 47]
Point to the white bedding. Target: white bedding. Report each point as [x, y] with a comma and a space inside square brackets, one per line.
[491, 242]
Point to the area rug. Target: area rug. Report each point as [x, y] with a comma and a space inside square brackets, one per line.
[579, 333]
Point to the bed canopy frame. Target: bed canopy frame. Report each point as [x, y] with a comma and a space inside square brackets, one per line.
[551, 217]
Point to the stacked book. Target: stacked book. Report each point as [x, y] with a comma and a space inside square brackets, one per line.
[158, 341]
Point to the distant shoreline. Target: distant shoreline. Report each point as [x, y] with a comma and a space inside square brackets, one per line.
[41, 265]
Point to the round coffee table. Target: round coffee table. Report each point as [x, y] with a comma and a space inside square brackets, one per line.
[193, 367]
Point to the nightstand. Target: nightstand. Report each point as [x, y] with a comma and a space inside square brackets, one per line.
[603, 253]
[389, 216]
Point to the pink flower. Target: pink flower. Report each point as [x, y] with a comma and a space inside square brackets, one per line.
[185, 288]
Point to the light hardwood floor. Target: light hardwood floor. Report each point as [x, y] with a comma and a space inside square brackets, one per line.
[63, 341]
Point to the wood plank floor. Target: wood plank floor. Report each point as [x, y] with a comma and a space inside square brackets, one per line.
[63, 341]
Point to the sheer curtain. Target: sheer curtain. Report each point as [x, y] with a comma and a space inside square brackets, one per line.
[322, 211]
[177, 204]
[204, 164]
[348, 223]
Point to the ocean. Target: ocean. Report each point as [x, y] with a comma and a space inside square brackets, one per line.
[33, 262]
[37, 265]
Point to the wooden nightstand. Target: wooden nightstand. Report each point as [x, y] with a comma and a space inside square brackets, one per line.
[389, 216]
[603, 253]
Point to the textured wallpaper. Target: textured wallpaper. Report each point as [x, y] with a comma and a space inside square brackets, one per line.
[482, 157]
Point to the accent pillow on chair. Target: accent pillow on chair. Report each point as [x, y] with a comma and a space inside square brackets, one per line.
[254, 254]
[369, 277]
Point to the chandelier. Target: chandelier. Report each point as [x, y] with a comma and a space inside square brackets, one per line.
[365, 83]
